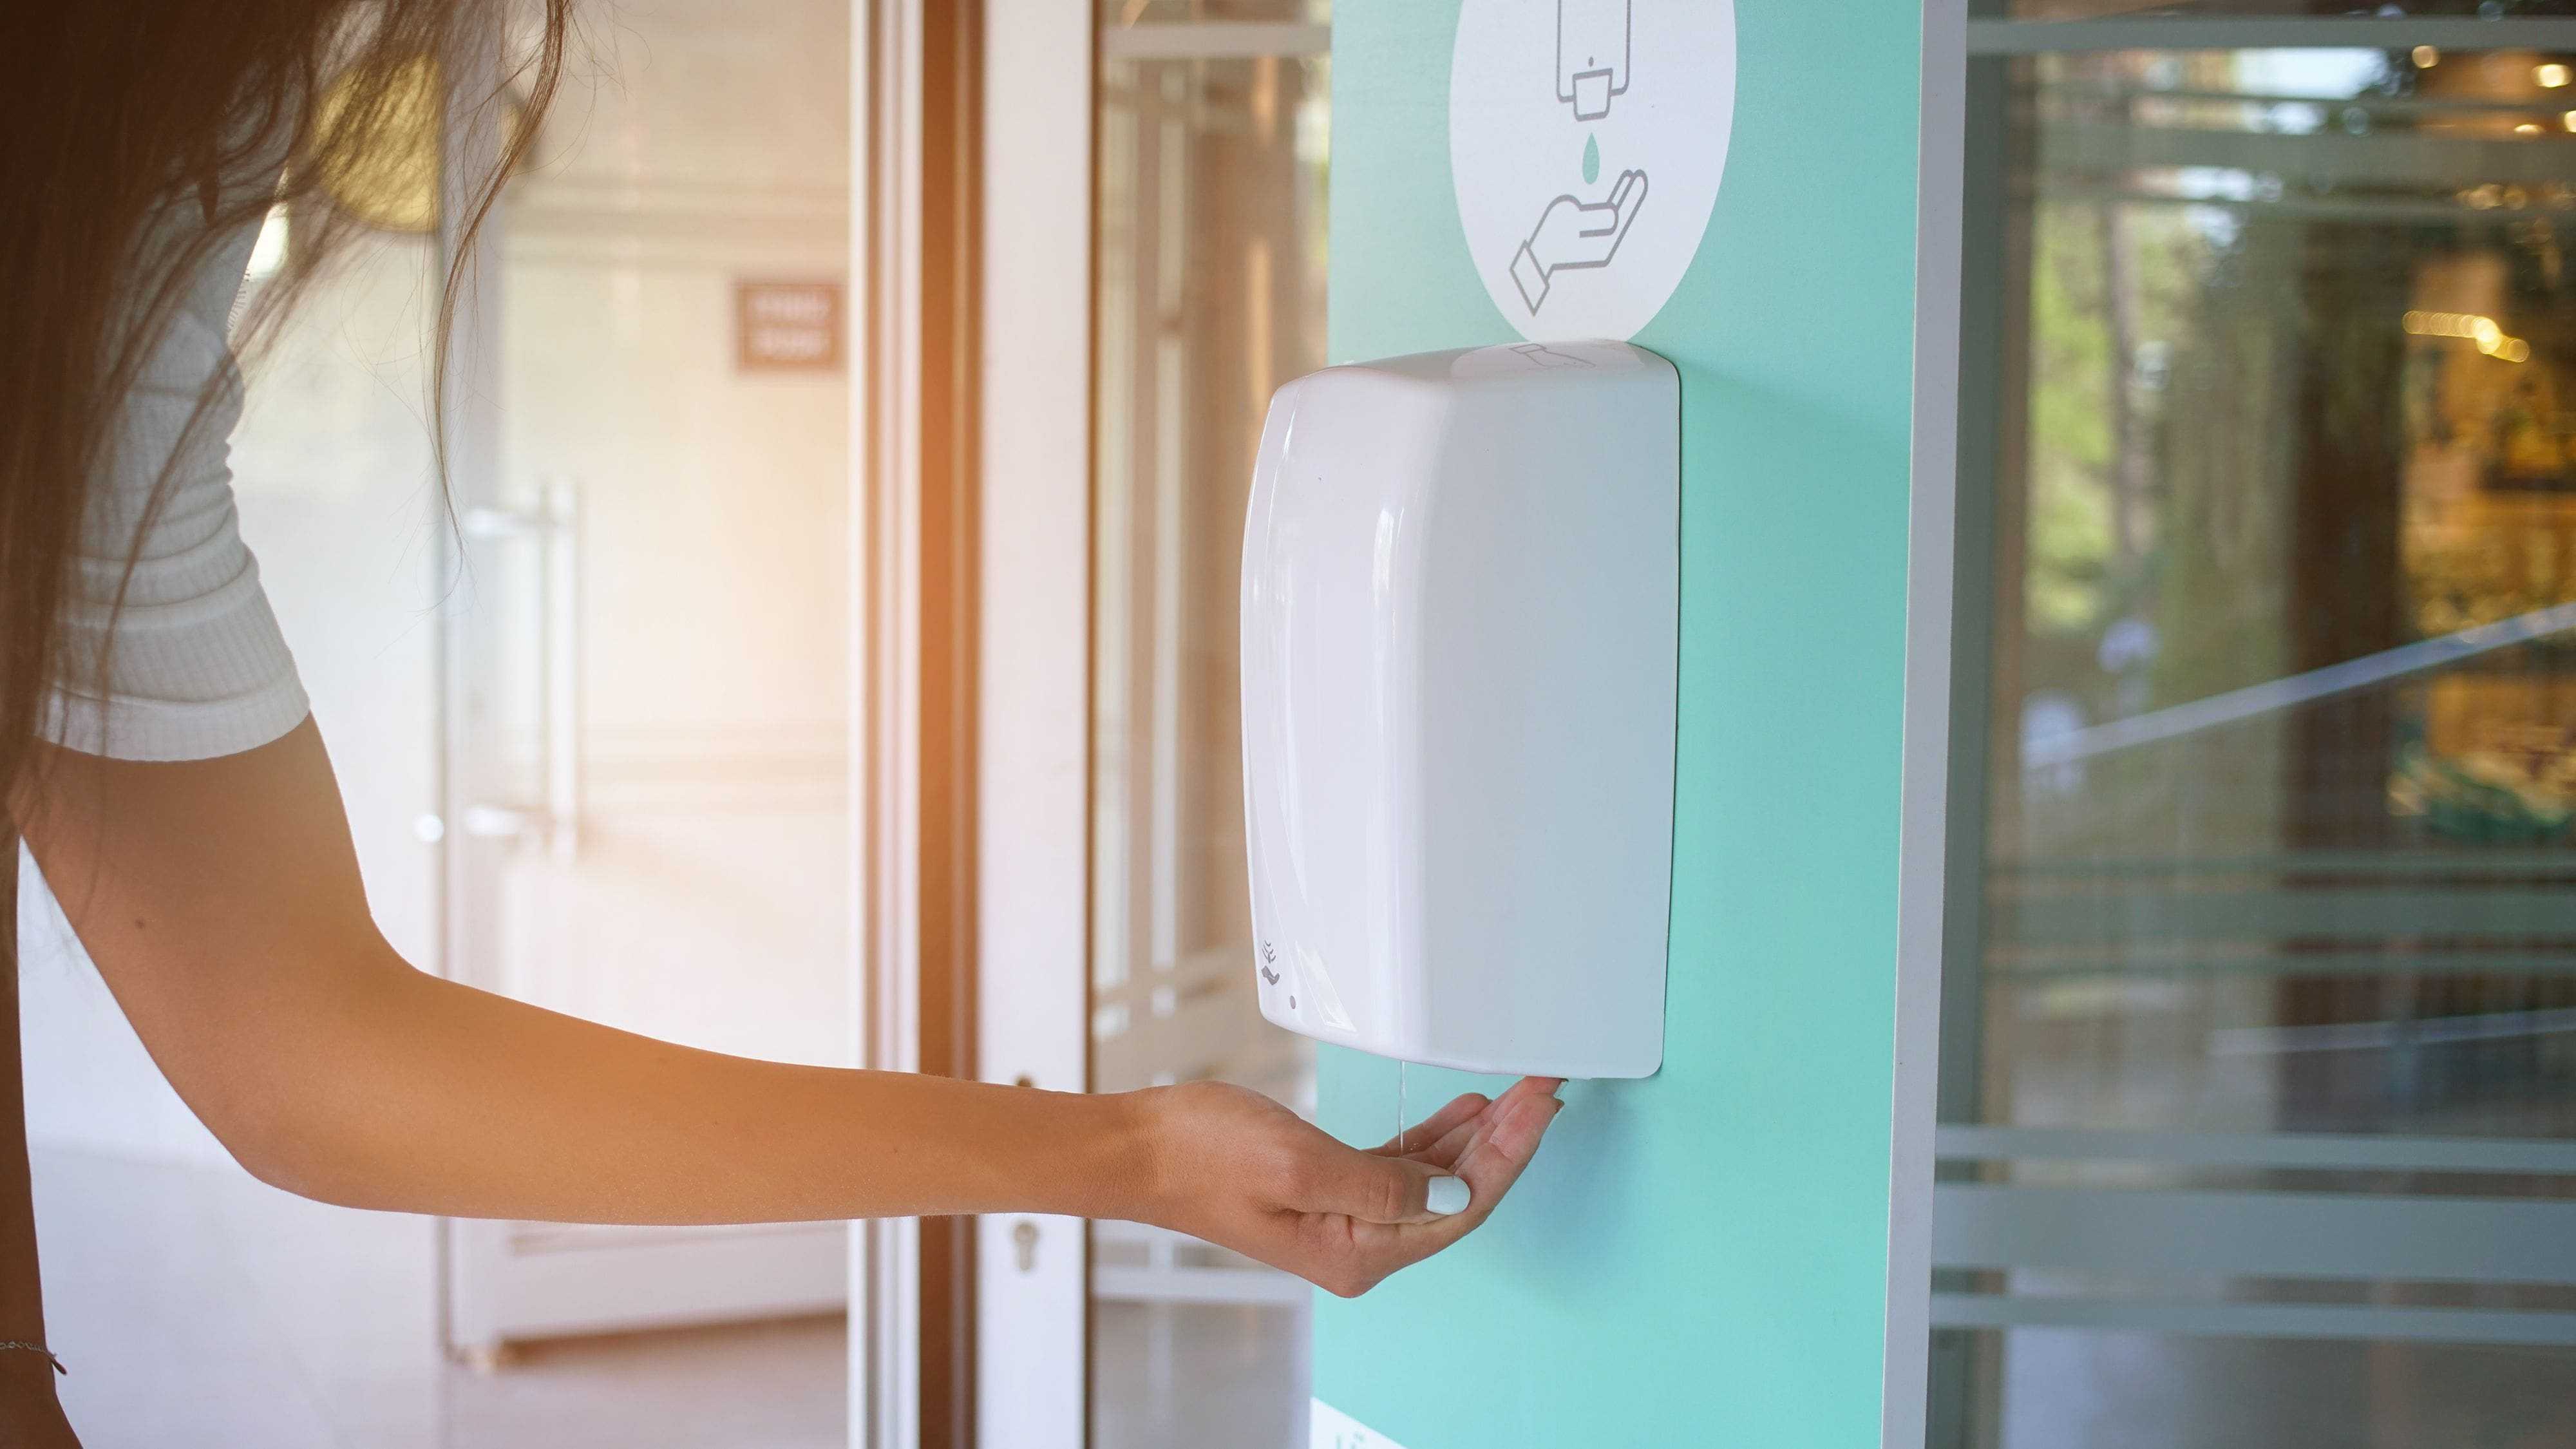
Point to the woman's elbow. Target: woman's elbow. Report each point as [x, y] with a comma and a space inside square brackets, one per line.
[301, 1092]
[268, 1138]
[300, 1122]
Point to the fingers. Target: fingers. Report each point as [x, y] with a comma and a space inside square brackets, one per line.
[1534, 1086]
[1439, 1138]
[1382, 1225]
[1601, 218]
[1512, 1136]
[1375, 1189]
[1444, 1153]
[1431, 1129]
[1404, 1195]
[1493, 1159]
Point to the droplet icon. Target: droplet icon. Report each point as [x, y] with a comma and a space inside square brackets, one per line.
[1591, 159]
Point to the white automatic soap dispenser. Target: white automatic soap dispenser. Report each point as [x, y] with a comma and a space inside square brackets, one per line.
[1461, 591]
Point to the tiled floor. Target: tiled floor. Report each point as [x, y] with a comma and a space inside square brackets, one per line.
[1197, 1376]
[198, 1307]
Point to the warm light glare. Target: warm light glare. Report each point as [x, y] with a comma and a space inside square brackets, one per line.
[2527, 128]
[2486, 332]
[268, 253]
[2426, 57]
[2552, 76]
[2568, 120]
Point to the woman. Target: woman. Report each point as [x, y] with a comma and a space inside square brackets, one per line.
[159, 761]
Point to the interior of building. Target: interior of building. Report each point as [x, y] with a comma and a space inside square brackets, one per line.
[892, 374]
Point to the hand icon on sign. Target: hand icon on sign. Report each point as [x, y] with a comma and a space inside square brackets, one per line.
[1575, 233]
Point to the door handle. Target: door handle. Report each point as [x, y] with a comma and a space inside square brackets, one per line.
[505, 822]
[554, 527]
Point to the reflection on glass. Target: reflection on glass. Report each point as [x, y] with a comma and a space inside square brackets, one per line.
[2184, 10]
[650, 708]
[1119, 14]
[2261, 1078]
[1211, 294]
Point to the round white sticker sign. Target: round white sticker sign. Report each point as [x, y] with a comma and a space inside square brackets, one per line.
[1586, 139]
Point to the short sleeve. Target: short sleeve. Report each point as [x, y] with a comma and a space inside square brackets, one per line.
[189, 664]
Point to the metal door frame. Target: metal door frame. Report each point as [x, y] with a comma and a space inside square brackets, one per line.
[912, 671]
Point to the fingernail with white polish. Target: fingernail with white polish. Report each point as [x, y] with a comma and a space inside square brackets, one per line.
[1448, 1195]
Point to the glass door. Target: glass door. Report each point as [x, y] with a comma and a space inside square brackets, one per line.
[1212, 134]
[649, 801]
[2259, 1041]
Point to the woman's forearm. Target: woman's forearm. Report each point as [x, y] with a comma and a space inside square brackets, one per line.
[421, 1095]
[222, 903]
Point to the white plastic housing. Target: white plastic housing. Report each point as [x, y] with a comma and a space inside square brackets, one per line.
[1461, 593]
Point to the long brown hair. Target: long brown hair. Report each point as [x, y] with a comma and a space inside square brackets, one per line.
[114, 111]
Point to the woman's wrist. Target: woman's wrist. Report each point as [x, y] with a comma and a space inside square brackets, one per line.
[30, 1415]
[1122, 1159]
[1084, 1154]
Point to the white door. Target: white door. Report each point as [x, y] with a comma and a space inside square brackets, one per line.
[1035, 583]
[648, 817]
[1125, 377]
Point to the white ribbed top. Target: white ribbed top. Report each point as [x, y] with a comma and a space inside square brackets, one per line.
[197, 667]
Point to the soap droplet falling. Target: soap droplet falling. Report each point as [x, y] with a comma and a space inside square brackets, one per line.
[1591, 159]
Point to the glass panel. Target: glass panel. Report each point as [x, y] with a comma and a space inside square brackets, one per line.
[699, 889]
[1211, 294]
[2202, 9]
[651, 745]
[2260, 1061]
[1119, 14]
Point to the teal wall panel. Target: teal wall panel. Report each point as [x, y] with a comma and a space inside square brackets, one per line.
[1698, 1258]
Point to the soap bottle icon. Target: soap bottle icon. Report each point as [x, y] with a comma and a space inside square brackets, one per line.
[1592, 45]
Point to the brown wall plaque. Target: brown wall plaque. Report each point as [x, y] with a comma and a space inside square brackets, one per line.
[787, 326]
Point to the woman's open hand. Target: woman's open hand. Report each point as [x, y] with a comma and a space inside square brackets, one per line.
[1241, 1171]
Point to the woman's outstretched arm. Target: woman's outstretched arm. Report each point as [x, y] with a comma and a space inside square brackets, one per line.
[222, 903]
